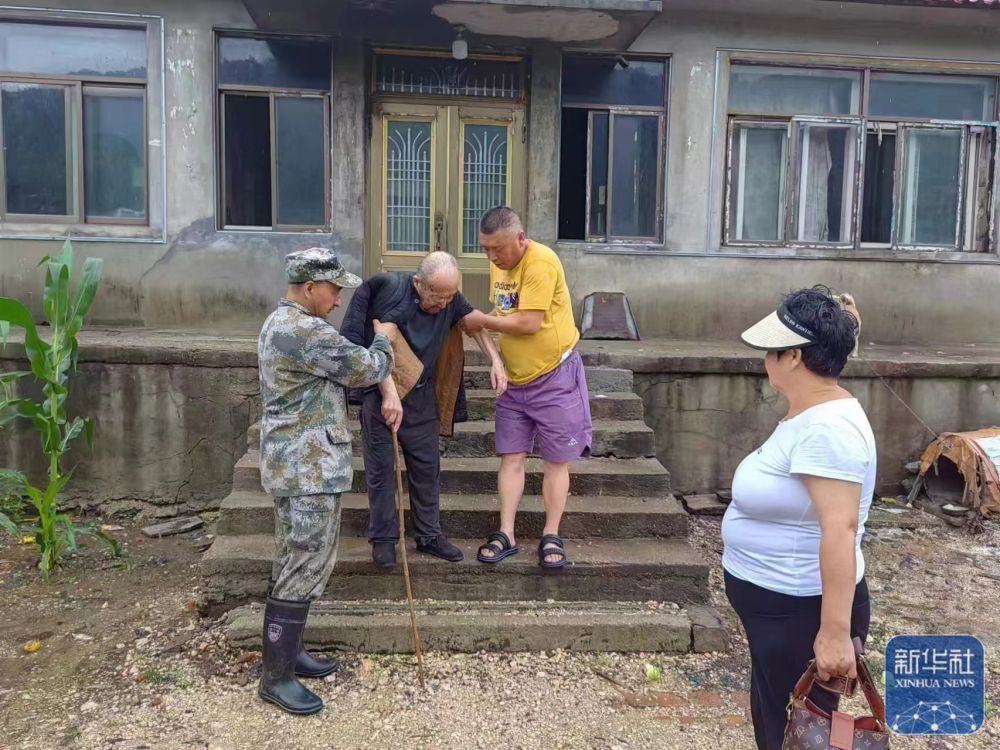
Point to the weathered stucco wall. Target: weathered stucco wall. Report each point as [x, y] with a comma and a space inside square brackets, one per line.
[170, 422]
[202, 277]
[706, 424]
[692, 289]
[173, 408]
[688, 289]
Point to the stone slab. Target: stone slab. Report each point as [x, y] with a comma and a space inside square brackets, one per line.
[704, 505]
[636, 477]
[475, 516]
[174, 526]
[469, 627]
[236, 569]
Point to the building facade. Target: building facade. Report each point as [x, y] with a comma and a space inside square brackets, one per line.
[701, 156]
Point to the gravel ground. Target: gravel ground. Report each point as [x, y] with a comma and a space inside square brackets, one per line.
[126, 663]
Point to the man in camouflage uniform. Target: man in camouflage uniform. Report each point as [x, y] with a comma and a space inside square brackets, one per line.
[305, 457]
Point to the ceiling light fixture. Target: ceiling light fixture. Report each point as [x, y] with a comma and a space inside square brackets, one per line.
[460, 47]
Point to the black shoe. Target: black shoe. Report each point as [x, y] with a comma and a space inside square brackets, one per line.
[284, 622]
[439, 546]
[384, 554]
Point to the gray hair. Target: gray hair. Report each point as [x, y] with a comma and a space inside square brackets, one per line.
[435, 262]
[499, 218]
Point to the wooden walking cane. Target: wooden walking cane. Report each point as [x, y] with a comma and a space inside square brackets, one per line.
[406, 567]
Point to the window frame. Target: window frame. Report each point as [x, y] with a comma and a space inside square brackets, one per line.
[613, 110]
[272, 93]
[963, 249]
[75, 87]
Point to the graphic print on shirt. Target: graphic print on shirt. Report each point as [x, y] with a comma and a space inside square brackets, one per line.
[505, 295]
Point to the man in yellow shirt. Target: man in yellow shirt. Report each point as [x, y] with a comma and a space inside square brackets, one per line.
[546, 400]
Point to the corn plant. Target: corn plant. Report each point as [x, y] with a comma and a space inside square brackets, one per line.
[52, 363]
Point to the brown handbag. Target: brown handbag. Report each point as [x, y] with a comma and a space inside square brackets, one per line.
[811, 728]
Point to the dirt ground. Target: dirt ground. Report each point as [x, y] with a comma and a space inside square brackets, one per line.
[127, 663]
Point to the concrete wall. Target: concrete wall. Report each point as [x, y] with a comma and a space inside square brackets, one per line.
[689, 288]
[692, 289]
[201, 277]
[166, 435]
[707, 423]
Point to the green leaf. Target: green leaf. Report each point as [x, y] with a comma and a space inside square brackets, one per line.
[66, 254]
[10, 377]
[46, 563]
[88, 432]
[4, 332]
[87, 289]
[70, 528]
[9, 526]
[114, 545]
[72, 432]
[12, 477]
[13, 312]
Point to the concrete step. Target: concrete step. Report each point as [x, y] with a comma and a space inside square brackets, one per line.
[629, 477]
[599, 379]
[625, 439]
[612, 406]
[469, 627]
[475, 516]
[236, 569]
[608, 407]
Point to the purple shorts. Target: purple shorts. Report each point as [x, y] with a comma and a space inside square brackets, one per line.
[555, 409]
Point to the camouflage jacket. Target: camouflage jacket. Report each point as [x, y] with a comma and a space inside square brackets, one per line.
[305, 364]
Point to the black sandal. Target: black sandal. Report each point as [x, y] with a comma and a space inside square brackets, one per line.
[499, 544]
[558, 549]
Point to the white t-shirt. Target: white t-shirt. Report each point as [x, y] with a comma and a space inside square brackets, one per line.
[771, 531]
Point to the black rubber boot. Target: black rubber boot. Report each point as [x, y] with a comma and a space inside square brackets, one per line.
[306, 665]
[384, 554]
[284, 622]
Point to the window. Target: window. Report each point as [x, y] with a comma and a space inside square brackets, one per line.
[274, 132]
[859, 158]
[611, 161]
[73, 123]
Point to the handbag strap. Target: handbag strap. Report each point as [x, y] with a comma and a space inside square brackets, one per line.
[875, 702]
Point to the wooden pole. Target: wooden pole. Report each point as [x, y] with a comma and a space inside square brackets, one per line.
[406, 567]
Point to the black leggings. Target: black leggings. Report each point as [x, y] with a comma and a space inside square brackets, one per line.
[780, 630]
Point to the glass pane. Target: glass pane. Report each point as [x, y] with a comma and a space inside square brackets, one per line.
[408, 186]
[114, 155]
[757, 191]
[599, 175]
[484, 178]
[932, 96]
[72, 50]
[282, 63]
[591, 79]
[880, 181]
[247, 160]
[827, 156]
[634, 168]
[301, 160]
[762, 89]
[39, 150]
[932, 163]
[409, 74]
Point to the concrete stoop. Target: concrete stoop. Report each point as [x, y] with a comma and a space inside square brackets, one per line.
[383, 627]
[626, 542]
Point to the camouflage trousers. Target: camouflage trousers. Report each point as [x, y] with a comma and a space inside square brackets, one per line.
[306, 530]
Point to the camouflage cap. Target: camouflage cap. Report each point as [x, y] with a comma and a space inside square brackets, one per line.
[318, 264]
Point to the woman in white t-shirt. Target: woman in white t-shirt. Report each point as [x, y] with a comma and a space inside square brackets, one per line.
[793, 564]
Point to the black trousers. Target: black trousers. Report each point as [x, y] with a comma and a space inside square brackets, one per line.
[781, 630]
[418, 442]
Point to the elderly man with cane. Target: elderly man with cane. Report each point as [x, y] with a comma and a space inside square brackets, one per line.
[429, 311]
[305, 457]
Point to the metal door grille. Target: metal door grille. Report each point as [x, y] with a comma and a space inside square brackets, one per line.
[408, 186]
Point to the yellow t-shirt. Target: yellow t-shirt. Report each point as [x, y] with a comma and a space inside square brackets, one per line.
[538, 282]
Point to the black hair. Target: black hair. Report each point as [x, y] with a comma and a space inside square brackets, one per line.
[499, 218]
[835, 329]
